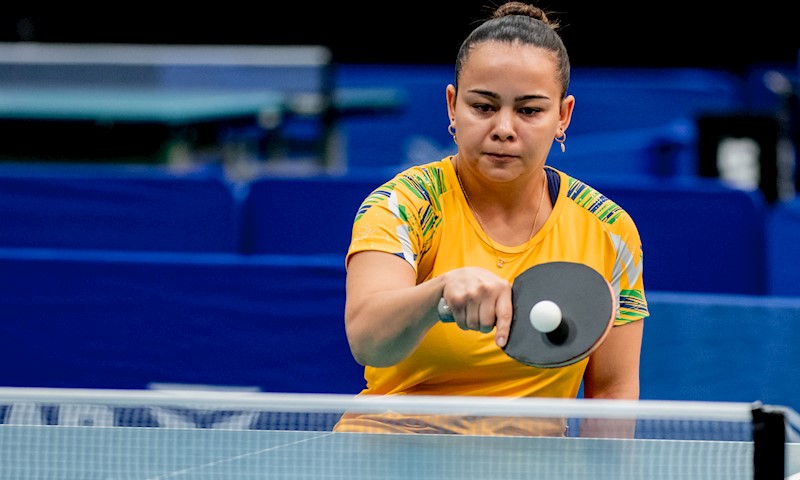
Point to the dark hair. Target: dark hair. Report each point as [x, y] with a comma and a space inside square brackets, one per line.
[522, 23]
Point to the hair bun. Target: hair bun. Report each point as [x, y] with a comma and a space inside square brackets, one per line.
[520, 8]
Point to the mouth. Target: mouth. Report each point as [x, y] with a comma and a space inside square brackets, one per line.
[500, 155]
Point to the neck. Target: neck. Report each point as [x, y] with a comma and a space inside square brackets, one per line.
[501, 198]
[501, 214]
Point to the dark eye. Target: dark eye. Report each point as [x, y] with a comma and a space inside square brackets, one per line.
[483, 107]
[529, 110]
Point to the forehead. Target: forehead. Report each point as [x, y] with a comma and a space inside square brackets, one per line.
[525, 66]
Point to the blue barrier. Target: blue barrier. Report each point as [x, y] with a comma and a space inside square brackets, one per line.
[97, 319]
[736, 348]
[783, 241]
[303, 215]
[116, 208]
[619, 99]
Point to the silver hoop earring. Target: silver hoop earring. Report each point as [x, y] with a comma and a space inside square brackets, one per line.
[451, 129]
[561, 139]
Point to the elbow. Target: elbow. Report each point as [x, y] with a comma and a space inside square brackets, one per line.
[373, 351]
[379, 347]
[361, 356]
[372, 357]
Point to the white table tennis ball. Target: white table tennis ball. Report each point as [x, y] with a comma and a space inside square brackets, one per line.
[545, 316]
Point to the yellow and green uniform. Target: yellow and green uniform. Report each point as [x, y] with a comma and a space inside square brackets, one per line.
[421, 215]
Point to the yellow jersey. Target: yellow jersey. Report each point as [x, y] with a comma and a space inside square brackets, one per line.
[421, 215]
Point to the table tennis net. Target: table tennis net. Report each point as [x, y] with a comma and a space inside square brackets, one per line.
[66, 433]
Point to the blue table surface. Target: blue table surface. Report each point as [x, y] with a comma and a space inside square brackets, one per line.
[38, 452]
[132, 104]
[172, 105]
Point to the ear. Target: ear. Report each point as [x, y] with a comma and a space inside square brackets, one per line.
[451, 101]
[565, 115]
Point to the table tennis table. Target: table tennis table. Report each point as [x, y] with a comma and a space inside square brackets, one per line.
[167, 126]
[156, 103]
[38, 452]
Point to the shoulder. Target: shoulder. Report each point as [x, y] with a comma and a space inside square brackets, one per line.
[419, 183]
[595, 202]
[430, 177]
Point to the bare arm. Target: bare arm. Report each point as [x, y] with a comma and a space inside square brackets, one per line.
[613, 373]
[387, 313]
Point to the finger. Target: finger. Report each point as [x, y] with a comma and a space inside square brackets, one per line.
[504, 310]
[487, 317]
[452, 312]
[472, 314]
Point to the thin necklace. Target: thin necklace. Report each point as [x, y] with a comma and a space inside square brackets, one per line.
[500, 262]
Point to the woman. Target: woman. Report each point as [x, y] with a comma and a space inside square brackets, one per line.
[462, 228]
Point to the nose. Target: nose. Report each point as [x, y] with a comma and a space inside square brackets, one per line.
[503, 127]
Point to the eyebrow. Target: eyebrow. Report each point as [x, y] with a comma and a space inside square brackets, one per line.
[522, 98]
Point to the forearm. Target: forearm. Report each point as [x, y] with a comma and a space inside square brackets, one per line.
[387, 313]
[608, 428]
[616, 427]
[612, 428]
[613, 374]
[384, 327]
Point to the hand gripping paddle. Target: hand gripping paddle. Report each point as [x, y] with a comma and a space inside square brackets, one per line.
[562, 313]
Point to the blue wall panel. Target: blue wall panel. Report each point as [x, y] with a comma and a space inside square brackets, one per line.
[115, 208]
[783, 248]
[104, 320]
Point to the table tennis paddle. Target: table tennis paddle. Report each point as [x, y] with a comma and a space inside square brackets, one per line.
[562, 313]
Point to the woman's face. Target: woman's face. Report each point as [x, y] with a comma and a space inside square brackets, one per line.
[508, 109]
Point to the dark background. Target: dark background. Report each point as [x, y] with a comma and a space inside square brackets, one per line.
[702, 34]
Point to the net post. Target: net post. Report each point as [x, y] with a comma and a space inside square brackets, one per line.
[769, 443]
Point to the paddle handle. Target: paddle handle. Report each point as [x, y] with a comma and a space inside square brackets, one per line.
[445, 315]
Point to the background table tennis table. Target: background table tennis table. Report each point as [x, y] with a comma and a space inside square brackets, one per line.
[160, 103]
[150, 125]
[106, 453]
